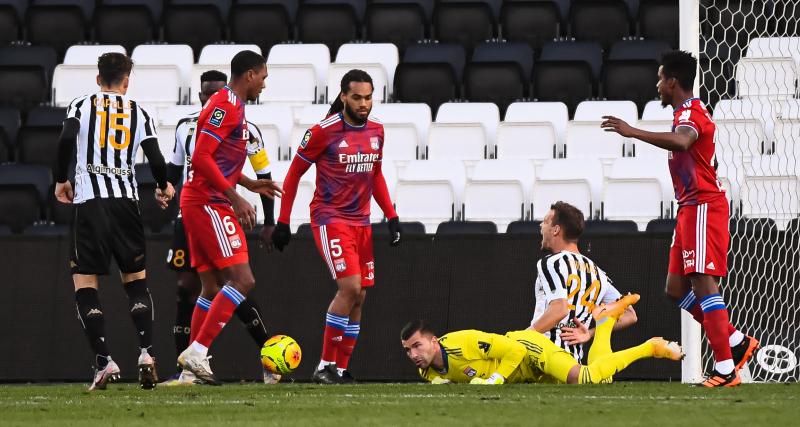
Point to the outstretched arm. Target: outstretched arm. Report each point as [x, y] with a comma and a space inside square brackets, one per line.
[680, 140]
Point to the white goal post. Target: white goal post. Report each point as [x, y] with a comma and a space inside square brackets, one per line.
[749, 65]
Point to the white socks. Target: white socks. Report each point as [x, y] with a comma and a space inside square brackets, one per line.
[725, 367]
[323, 364]
[200, 348]
[735, 339]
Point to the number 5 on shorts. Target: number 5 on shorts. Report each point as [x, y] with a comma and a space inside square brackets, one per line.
[336, 249]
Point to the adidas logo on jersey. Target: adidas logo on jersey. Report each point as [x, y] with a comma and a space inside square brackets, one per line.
[343, 144]
[710, 265]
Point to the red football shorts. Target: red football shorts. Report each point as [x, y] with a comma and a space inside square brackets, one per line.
[700, 240]
[347, 250]
[216, 240]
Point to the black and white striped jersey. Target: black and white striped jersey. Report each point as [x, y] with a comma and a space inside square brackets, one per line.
[112, 126]
[581, 282]
[185, 138]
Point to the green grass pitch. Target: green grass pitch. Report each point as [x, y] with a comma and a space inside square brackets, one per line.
[630, 403]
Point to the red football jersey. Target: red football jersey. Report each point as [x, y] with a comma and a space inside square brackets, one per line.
[347, 158]
[223, 124]
[694, 176]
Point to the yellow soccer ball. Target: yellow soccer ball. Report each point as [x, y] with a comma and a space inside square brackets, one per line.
[281, 354]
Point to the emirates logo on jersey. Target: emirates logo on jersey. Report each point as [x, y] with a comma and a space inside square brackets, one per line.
[359, 162]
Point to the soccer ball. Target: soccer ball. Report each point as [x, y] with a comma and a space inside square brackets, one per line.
[281, 354]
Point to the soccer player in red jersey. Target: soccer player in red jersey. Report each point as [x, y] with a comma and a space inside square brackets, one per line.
[214, 214]
[698, 256]
[347, 148]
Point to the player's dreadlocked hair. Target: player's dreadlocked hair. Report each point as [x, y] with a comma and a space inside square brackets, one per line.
[358, 76]
[413, 326]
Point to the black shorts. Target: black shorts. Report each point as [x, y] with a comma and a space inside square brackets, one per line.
[102, 228]
[178, 255]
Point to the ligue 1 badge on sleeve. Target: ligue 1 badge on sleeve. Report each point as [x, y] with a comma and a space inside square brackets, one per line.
[374, 142]
[306, 138]
[216, 117]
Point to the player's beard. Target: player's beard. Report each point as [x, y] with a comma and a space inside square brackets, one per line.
[357, 120]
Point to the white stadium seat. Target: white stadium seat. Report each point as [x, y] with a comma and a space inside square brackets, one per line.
[589, 140]
[337, 70]
[430, 191]
[214, 54]
[72, 81]
[773, 77]
[385, 54]
[595, 110]
[576, 181]
[297, 73]
[525, 140]
[389, 171]
[178, 55]
[456, 141]
[536, 112]
[636, 148]
[156, 85]
[463, 131]
[275, 123]
[499, 191]
[309, 116]
[773, 47]
[736, 141]
[761, 109]
[301, 213]
[654, 111]
[168, 119]
[89, 54]
[637, 189]
[405, 127]
[771, 189]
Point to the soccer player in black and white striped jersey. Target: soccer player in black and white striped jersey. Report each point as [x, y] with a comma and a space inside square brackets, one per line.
[569, 286]
[109, 128]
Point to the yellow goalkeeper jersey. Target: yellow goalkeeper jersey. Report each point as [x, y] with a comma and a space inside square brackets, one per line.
[519, 356]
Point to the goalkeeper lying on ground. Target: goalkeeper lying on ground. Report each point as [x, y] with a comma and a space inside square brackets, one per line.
[527, 356]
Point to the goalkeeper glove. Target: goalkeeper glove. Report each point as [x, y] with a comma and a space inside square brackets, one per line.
[493, 380]
[395, 231]
[281, 235]
[440, 380]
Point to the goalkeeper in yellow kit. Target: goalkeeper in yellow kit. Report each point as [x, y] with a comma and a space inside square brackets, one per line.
[527, 356]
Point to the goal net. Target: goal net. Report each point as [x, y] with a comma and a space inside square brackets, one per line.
[749, 55]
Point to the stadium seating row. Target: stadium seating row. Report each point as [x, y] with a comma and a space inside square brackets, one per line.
[60, 23]
[436, 191]
[433, 73]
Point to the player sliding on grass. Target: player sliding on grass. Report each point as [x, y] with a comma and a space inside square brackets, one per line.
[527, 356]
[699, 253]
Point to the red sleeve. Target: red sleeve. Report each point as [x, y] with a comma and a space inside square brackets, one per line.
[381, 193]
[312, 146]
[690, 118]
[217, 122]
[296, 170]
[379, 189]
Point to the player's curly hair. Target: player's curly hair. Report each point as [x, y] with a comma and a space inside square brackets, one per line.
[680, 65]
[413, 326]
[357, 76]
[113, 67]
[569, 218]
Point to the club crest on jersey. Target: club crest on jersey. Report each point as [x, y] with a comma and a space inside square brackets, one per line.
[469, 371]
[339, 265]
[236, 242]
[216, 117]
[374, 142]
[306, 138]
